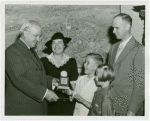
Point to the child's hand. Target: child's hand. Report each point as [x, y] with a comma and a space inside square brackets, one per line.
[78, 97]
[81, 100]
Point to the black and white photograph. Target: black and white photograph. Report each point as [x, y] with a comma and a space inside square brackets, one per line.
[75, 60]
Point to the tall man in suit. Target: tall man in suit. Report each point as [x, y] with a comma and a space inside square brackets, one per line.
[26, 88]
[128, 59]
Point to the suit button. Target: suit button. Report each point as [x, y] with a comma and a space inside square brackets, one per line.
[112, 85]
[36, 69]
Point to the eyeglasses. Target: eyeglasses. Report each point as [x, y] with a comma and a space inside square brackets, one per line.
[34, 35]
[95, 78]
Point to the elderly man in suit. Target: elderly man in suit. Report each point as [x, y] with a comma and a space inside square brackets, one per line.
[127, 58]
[27, 83]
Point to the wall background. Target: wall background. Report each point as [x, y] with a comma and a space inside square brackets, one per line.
[137, 23]
[89, 26]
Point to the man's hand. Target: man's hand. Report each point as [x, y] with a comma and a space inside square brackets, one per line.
[55, 82]
[51, 96]
[129, 113]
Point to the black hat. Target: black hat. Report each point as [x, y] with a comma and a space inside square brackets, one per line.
[57, 35]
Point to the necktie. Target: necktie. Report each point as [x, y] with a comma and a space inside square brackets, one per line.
[33, 52]
[119, 51]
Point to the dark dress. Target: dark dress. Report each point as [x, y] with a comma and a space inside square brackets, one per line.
[102, 104]
[62, 106]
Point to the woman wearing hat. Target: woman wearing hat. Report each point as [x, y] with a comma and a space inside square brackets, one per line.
[56, 62]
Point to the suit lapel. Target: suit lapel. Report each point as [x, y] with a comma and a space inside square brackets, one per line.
[39, 61]
[25, 50]
[114, 52]
[126, 50]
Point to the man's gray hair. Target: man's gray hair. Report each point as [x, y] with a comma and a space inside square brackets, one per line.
[28, 25]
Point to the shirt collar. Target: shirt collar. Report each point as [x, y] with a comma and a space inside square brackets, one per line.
[24, 42]
[64, 61]
[126, 41]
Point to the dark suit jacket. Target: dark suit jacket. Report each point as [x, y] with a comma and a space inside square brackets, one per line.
[128, 86]
[26, 81]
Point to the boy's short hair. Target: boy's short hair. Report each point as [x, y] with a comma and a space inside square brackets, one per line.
[97, 57]
[108, 73]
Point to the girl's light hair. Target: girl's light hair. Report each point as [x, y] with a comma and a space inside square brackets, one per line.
[107, 73]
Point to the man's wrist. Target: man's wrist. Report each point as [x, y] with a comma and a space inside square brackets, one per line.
[129, 113]
[45, 94]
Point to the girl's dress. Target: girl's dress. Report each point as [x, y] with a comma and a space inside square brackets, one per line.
[102, 104]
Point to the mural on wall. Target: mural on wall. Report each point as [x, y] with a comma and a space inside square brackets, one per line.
[87, 25]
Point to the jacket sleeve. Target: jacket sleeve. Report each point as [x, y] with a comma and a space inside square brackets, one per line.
[18, 76]
[107, 105]
[138, 81]
[91, 113]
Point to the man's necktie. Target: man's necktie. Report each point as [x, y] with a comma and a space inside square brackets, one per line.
[33, 52]
[38, 61]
